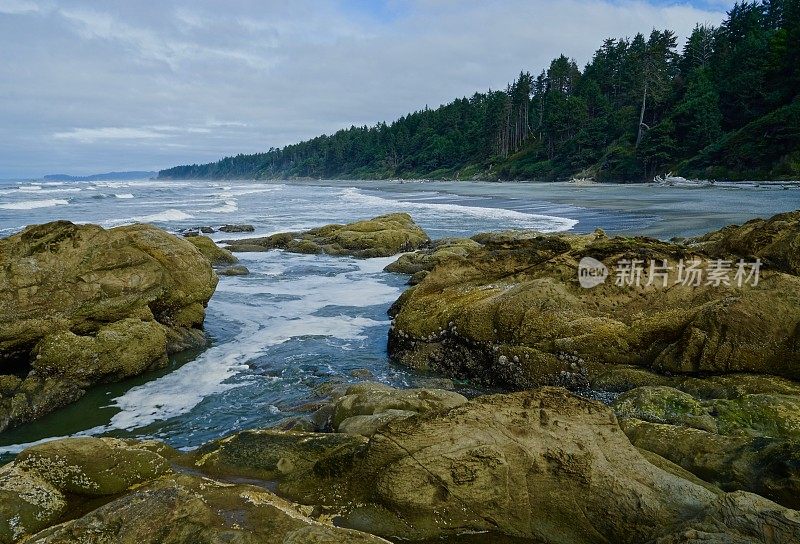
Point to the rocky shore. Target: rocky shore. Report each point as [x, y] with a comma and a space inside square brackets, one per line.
[401, 465]
[697, 440]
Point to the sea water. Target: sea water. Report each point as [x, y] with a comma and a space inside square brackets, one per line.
[298, 321]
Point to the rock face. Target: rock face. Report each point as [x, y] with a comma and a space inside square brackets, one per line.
[512, 312]
[378, 237]
[80, 305]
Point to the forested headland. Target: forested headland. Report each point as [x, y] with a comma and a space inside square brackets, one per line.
[723, 105]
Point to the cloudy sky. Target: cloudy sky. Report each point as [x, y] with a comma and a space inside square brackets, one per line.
[93, 86]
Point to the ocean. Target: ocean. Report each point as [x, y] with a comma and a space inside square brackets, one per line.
[298, 321]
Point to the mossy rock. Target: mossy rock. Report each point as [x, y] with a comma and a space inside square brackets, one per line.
[216, 255]
[92, 466]
[368, 425]
[81, 304]
[776, 241]
[28, 503]
[272, 454]
[774, 416]
[660, 404]
[369, 399]
[122, 349]
[382, 236]
[519, 292]
[184, 509]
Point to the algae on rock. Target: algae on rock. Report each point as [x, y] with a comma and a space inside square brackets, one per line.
[80, 305]
[381, 236]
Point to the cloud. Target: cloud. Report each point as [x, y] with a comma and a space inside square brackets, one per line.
[92, 135]
[88, 86]
[12, 7]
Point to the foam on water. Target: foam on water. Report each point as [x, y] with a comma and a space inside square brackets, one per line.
[268, 313]
[229, 206]
[166, 216]
[124, 195]
[541, 223]
[33, 204]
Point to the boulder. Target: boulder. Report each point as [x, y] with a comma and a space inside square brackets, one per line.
[369, 398]
[216, 255]
[776, 241]
[186, 509]
[382, 236]
[28, 503]
[419, 263]
[542, 465]
[92, 466]
[80, 304]
[767, 466]
[368, 425]
[512, 312]
[750, 441]
[236, 270]
[272, 454]
[237, 228]
[661, 404]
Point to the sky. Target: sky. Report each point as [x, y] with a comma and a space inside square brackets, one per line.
[96, 86]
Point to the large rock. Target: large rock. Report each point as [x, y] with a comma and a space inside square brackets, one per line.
[542, 465]
[767, 466]
[378, 237]
[776, 241]
[512, 312]
[80, 304]
[56, 479]
[92, 466]
[748, 441]
[28, 503]
[272, 454]
[367, 399]
[191, 510]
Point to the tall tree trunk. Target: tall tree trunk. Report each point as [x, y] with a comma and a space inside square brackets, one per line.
[641, 115]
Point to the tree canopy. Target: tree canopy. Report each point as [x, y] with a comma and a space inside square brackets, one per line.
[725, 105]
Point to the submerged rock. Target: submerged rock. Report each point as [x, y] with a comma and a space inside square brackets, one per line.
[512, 312]
[80, 305]
[236, 270]
[382, 236]
[237, 228]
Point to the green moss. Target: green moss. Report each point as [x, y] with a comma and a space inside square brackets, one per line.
[215, 254]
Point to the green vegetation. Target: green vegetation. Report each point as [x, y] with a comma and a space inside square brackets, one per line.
[726, 106]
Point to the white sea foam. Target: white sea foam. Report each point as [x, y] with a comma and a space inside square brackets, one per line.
[171, 214]
[123, 195]
[32, 204]
[269, 313]
[229, 206]
[542, 223]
